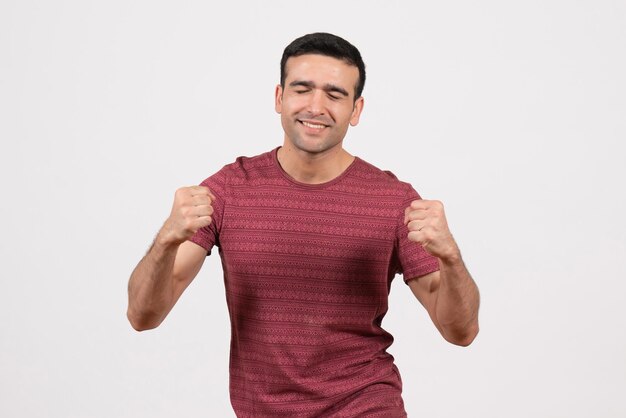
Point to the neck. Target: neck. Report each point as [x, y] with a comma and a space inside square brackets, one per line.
[313, 168]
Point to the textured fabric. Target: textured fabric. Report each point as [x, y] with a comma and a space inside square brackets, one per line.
[307, 271]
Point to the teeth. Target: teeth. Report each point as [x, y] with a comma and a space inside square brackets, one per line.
[311, 125]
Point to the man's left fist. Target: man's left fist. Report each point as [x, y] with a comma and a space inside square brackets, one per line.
[427, 226]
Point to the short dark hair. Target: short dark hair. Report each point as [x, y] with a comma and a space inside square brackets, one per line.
[329, 45]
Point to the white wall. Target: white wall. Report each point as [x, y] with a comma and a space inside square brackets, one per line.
[512, 113]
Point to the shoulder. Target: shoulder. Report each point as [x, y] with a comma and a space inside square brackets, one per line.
[244, 165]
[379, 179]
[242, 168]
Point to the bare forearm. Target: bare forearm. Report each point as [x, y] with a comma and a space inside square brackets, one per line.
[451, 297]
[151, 287]
[159, 279]
[457, 302]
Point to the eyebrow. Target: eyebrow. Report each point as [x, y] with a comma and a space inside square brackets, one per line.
[327, 87]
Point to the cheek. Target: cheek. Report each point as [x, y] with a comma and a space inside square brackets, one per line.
[293, 102]
[344, 114]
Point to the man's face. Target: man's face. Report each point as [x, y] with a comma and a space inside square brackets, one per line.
[317, 103]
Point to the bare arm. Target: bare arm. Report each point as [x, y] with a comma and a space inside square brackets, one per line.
[172, 262]
[451, 298]
[450, 295]
[158, 281]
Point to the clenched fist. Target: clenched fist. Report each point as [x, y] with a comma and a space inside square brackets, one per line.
[191, 211]
[427, 226]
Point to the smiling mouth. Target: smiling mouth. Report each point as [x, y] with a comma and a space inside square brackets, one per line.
[312, 125]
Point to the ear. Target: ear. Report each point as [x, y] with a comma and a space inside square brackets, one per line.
[278, 99]
[356, 112]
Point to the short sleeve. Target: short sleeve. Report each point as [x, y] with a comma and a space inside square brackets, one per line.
[414, 260]
[208, 236]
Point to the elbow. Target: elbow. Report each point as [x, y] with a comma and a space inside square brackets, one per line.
[462, 338]
[141, 322]
[465, 340]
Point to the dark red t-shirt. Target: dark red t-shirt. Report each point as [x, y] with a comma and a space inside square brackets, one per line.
[307, 270]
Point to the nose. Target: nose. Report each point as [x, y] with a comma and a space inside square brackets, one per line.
[316, 102]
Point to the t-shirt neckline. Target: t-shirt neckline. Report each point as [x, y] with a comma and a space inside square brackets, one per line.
[309, 185]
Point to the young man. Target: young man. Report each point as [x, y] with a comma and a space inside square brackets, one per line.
[310, 239]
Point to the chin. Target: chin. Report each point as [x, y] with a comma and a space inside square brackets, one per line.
[314, 148]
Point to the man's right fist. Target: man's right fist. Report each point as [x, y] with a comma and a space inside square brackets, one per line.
[191, 211]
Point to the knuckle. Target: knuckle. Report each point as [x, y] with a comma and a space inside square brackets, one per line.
[413, 236]
[181, 192]
[185, 211]
[189, 226]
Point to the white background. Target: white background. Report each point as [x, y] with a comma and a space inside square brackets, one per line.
[511, 113]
